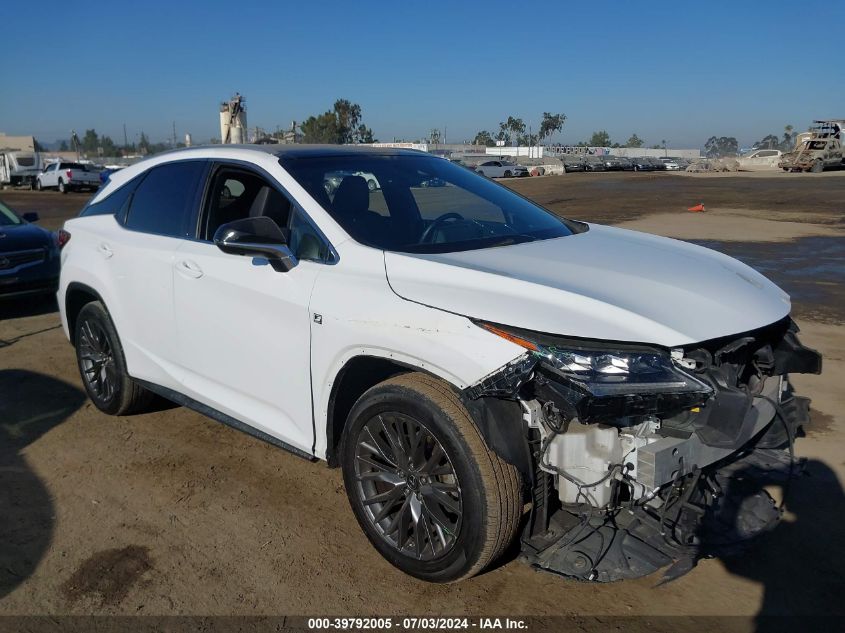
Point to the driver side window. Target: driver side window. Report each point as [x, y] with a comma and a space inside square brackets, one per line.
[236, 194]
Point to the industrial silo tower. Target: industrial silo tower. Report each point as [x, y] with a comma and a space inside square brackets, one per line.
[233, 120]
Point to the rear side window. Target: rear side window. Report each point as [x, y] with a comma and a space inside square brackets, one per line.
[163, 201]
[113, 204]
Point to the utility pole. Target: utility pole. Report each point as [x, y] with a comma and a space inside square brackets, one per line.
[125, 141]
[174, 134]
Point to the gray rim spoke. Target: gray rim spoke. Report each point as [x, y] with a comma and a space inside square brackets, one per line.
[408, 486]
[96, 361]
[445, 500]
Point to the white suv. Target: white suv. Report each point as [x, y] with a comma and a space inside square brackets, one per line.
[478, 367]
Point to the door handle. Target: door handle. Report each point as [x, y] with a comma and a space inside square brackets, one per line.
[105, 250]
[189, 269]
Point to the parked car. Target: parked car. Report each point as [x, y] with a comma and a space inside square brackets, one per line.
[29, 255]
[612, 163]
[501, 169]
[573, 163]
[625, 163]
[67, 177]
[474, 363]
[641, 163]
[670, 164]
[107, 171]
[594, 163]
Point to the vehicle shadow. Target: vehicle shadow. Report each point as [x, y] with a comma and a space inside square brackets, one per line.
[30, 405]
[800, 562]
[27, 306]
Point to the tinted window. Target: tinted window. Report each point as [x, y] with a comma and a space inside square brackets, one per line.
[236, 194]
[8, 217]
[304, 240]
[423, 204]
[113, 203]
[162, 202]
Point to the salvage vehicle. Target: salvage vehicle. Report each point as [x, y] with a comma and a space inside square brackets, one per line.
[501, 169]
[572, 163]
[480, 369]
[67, 177]
[594, 163]
[29, 256]
[818, 149]
[759, 160]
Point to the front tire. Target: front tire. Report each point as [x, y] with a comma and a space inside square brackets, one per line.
[38, 185]
[818, 167]
[428, 493]
[102, 364]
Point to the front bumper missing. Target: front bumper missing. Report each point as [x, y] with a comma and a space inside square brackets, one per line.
[704, 514]
[677, 480]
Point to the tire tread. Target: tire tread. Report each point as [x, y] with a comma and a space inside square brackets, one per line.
[504, 507]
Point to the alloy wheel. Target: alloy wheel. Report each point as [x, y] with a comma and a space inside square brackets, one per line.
[408, 486]
[96, 358]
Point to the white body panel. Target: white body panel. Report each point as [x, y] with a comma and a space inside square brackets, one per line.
[606, 283]
[243, 339]
[361, 316]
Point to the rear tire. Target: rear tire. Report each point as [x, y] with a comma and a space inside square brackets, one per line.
[434, 541]
[371, 185]
[62, 188]
[102, 365]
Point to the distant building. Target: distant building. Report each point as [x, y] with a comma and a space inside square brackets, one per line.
[16, 143]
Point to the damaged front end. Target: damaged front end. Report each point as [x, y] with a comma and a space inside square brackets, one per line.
[642, 457]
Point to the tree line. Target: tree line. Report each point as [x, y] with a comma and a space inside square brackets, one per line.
[513, 129]
[727, 146]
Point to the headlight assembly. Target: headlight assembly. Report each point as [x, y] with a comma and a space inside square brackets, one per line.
[598, 381]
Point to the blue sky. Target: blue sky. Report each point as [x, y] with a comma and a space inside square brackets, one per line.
[676, 70]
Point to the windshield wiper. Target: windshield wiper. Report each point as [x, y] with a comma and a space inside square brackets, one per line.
[509, 240]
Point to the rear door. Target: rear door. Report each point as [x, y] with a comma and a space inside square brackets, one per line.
[140, 258]
[243, 329]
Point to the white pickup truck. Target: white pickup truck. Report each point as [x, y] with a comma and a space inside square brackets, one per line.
[67, 177]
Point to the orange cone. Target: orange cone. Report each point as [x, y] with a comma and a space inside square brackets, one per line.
[698, 207]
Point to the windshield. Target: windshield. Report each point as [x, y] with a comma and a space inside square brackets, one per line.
[8, 217]
[421, 204]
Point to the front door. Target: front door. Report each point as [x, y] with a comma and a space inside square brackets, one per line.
[243, 329]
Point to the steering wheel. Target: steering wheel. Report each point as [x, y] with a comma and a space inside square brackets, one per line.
[424, 238]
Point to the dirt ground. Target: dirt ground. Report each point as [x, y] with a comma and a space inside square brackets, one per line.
[172, 513]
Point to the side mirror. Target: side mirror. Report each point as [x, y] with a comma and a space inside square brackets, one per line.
[256, 237]
[30, 217]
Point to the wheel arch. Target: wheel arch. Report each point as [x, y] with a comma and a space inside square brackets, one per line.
[499, 421]
[76, 297]
[356, 376]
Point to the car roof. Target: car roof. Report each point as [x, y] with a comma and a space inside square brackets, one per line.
[260, 153]
[304, 151]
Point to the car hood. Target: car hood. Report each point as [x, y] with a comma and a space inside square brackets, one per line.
[605, 283]
[23, 236]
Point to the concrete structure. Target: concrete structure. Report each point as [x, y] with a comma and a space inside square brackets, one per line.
[233, 120]
[528, 151]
